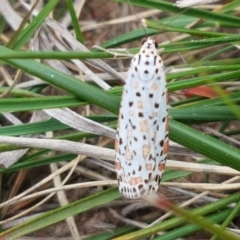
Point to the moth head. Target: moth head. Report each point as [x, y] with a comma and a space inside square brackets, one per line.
[150, 43]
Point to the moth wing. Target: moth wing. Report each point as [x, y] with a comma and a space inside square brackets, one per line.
[141, 130]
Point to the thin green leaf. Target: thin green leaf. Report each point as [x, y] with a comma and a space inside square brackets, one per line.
[176, 221]
[192, 228]
[80, 89]
[61, 213]
[204, 223]
[224, 19]
[75, 22]
[203, 113]
[204, 144]
[45, 126]
[198, 81]
[27, 33]
[159, 26]
[37, 103]
[229, 219]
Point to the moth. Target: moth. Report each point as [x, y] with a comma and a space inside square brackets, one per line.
[142, 134]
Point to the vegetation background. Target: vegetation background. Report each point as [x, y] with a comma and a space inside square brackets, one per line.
[59, 104]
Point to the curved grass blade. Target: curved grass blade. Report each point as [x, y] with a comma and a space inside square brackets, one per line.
[61, 213]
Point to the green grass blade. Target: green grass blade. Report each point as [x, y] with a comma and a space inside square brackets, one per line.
[34, 25]
[224, 19]
[203, 113]
[61, 213]
[176, 221]
[75, 22]
[204, 144]
[157, 25]
[192, 228]
[198, 81]
[38, 103]
[202, 222]
[80, 89]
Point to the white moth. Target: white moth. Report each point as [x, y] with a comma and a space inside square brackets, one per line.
[142, 134]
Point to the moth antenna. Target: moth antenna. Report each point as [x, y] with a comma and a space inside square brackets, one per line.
[175, 17]
[133, 10]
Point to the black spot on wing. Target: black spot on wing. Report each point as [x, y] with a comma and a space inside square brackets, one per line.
[156, 105]
[139, 59]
